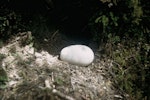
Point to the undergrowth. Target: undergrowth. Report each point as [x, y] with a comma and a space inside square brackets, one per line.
[124, 34]
[131, 67]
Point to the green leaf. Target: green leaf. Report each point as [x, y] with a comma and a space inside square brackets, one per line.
[97, 20]
[105, 20]
[3, 75]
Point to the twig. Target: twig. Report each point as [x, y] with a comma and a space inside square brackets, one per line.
[52, 37]
[62, 95]
[56, 92]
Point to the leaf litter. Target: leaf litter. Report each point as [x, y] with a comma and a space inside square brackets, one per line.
[39, 75]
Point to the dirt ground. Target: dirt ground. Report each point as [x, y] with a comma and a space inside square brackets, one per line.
[38, 74]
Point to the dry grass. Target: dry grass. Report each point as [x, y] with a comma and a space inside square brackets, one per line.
[38, 75]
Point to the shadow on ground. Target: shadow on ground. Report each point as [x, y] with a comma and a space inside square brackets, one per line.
[52, 34]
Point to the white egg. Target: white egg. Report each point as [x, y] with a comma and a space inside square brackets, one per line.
[77, 54]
